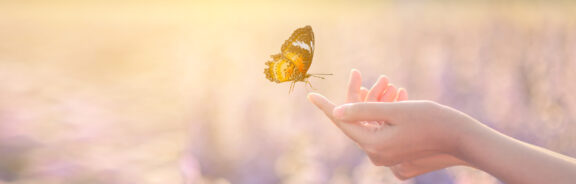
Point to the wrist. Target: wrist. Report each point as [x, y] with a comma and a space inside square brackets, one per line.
[470, 138]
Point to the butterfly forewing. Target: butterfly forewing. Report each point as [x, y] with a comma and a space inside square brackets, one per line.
[295, 58]
[300, 48]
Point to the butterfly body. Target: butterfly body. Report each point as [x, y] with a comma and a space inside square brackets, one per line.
[292, 64]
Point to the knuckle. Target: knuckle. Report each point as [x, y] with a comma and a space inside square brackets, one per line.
[376, 161]
[398, 173]
[356, 108]
[427, 104]
[401, 171]
[381, 159]
[371, 150]
[401, 176]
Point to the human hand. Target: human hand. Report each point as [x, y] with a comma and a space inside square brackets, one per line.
[381, 91]
[414, 137]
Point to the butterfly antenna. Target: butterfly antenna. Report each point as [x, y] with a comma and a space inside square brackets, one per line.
[319, 75]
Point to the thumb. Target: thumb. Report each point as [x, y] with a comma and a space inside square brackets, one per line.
[368, 111]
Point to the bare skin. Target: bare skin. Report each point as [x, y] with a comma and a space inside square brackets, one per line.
[415, 137]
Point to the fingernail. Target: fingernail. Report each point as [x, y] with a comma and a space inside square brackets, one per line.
[338, 112]
[312, 97]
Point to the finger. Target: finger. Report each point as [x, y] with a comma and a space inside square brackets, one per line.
[322, 103]
[369, 111]
[402, 95]
[377, 89]
[420, 166]
[400, 173]
[404, 171]
[353, 131]
[354, 84]
[389, 95]
[363, 93]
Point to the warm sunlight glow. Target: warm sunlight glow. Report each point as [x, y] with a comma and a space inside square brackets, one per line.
[173, 91]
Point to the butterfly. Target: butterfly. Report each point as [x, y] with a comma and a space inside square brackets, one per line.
[294, 60]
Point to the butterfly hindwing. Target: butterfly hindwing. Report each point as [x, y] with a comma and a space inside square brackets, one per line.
[280, 69]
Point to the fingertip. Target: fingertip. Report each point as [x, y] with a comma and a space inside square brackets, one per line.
[354, 74]
[402, 95]
[389, 95]
[321, 102]
[315, 98]
[311, 96]
[384, 79]
[354, 85]
[354, 70]
[377, 89]
[363, 93]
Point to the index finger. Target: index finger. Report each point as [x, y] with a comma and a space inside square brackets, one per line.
[323, 104]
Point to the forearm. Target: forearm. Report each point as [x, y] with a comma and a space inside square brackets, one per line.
[514, 161]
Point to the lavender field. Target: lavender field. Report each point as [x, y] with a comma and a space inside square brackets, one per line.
[159, 92]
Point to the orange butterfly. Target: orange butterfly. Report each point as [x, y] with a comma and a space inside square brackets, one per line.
[294, 60]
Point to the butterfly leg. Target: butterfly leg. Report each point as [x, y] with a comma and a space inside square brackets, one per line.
[310, 84]
[292, 87]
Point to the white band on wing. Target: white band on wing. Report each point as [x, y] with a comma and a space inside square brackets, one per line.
[302, 45]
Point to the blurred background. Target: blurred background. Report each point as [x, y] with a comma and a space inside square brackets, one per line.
[174, 92]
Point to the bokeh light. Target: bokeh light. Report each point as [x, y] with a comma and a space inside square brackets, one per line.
[173, 91]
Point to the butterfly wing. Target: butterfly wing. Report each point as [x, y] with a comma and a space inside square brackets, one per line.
[294, 60]
[280, 69]
[299, 48]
